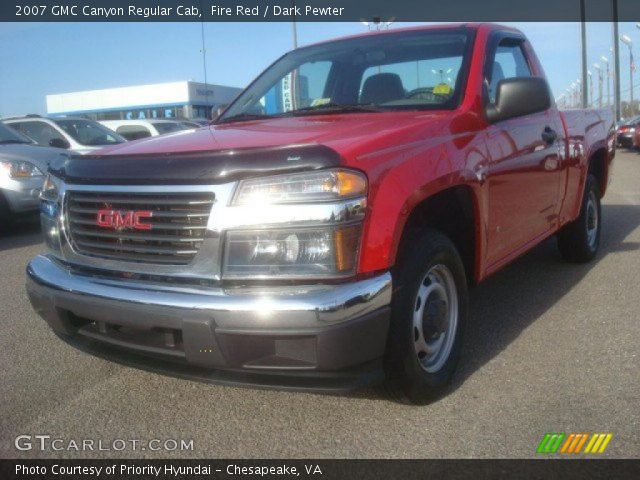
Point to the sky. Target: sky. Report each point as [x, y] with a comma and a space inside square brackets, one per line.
[40, 59]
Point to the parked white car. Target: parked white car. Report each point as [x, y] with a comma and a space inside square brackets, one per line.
[194, 122]
[72, 133]
[136, 129]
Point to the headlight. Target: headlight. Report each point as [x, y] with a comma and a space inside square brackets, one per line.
[317, 186]
[49, 210]
[289, 253]
[297, 248]
[49, 190]
[20, 169]
[49, 198]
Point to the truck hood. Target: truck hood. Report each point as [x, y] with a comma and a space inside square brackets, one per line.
[343, 133]
[222, 153]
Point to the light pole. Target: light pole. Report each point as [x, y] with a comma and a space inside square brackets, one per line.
[599, 70]
[606, 62]
[581, 92]
[571, 94]
[627, 41]
[294, 27]
[590, 87]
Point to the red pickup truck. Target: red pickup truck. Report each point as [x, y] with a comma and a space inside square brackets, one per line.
[324, 230]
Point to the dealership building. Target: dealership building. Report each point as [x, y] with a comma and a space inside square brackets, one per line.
[185, 99]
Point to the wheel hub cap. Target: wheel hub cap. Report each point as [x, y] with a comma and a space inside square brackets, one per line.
[435, 318]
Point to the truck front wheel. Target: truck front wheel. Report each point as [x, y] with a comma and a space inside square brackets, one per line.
[428, 317]
[579, 240]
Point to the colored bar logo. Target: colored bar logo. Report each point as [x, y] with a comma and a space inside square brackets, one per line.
[574, 442]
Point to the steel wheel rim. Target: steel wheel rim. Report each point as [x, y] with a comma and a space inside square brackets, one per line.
[592, 220]
[435, 318]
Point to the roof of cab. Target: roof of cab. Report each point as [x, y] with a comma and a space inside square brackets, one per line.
[437, 26]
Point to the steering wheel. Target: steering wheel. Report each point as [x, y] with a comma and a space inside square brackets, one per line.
[423, 93]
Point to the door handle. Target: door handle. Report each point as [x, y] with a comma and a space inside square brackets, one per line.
[549, 135]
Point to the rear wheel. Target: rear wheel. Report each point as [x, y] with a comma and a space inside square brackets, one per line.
[579, 241]
[429, 313]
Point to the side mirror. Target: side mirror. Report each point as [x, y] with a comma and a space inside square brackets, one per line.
[59, 143]
[519, 96]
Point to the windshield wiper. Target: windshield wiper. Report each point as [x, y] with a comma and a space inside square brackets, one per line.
[244, 116]
[8, 141]
[333, 107]
[319, 109]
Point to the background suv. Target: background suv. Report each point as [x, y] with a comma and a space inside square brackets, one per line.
[72, 133]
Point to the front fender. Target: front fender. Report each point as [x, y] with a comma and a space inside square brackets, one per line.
[402, 184]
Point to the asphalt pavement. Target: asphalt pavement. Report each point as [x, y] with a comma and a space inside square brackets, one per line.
[551, 347]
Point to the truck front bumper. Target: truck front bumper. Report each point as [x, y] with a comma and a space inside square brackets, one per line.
[315, 337]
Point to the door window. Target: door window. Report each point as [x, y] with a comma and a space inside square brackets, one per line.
[42, 133]
[509, 62]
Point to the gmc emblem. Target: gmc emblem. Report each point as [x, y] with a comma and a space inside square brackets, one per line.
[119, 220]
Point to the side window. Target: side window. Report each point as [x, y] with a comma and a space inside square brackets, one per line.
[42, 133]
[133, 132]
[509, 62]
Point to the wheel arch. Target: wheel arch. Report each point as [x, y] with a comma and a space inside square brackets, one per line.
[597, 165]
[455, 212]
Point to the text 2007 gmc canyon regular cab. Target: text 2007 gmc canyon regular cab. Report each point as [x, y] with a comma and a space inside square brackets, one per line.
[323, 231]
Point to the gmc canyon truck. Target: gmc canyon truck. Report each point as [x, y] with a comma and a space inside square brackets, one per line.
[323, 231]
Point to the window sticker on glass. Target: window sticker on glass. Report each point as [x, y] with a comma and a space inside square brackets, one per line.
[320, 101]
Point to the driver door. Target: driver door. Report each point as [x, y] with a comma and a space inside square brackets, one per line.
[524, 169]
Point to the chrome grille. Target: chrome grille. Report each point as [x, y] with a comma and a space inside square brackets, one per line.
[178, 225]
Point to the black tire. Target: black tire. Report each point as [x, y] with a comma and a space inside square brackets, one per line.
[5, 214]
[424, 252]
[579, 240]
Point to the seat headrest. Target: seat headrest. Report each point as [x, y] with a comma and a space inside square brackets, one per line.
[382, 88]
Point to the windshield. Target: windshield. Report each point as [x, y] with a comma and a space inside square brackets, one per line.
[168, 127]
[395, 71]
[8, 135]
[88, 132]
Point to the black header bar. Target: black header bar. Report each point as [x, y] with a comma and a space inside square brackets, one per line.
[321, 469]
[313, 10]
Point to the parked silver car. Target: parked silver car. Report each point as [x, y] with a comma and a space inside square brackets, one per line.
[79, 135]
[23, 165]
